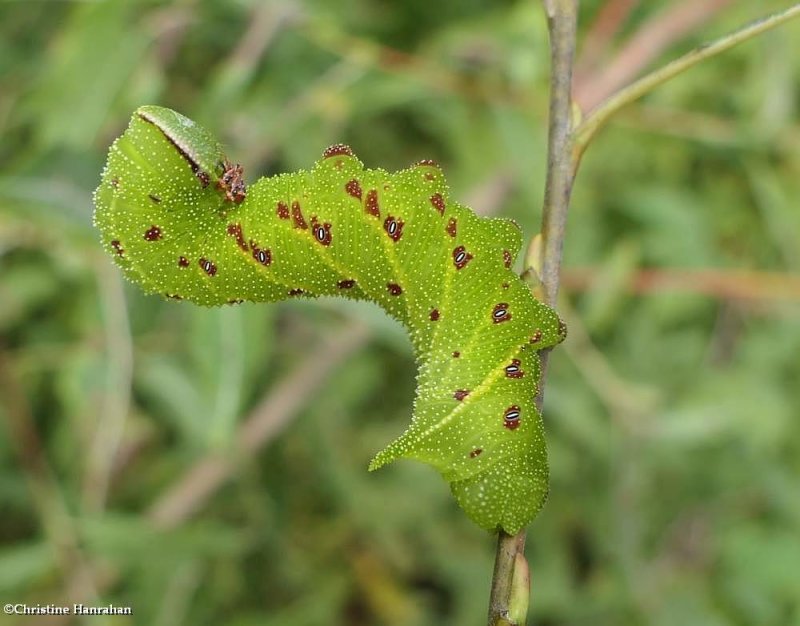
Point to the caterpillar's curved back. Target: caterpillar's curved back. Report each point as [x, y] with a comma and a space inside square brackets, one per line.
[177, 218]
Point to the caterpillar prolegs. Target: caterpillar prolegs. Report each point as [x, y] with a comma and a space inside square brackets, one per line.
[179, 220]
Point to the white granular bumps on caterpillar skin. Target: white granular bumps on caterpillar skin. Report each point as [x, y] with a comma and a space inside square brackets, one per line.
[178, 219]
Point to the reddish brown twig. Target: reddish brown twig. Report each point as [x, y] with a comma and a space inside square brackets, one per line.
[610, 19]
[725, 284]
[644, 46]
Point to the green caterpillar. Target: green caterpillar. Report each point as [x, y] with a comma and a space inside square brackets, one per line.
[179, 220]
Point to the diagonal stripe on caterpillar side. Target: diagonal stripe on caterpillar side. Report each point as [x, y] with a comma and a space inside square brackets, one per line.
[179, 220]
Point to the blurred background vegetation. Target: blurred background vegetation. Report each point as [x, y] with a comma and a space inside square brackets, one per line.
[209, 466]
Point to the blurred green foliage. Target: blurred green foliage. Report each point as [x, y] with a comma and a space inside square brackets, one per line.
[673, 413]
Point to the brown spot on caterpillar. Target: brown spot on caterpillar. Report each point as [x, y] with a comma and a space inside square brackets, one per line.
[434, 315]
[153, 233]
[450, 229]
[511, 417]
[348, 283]
[562, 329]
[282, 210]
[371, 205]
[460, 394]
[475, 452]
[500, 313]
[203, 177]
[118, 247]
[393, 228]
[235, 301]
[429, 176]
[461, 257]
[115, 182]
[232, 182]
[208, 266]
[322, 232]
[394, 289]
[154, 198]
[456, 354]
[337, 149]
[173, 296]
[296, 292]
[353, 188]
[536, 337]
[262, 255]
[507, 258]
[513, 370]
[438, 202]
[297, 216]
[183, 261]
[235, 231]
[505, 285]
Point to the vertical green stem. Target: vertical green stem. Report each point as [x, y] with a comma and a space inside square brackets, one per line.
[562, 20]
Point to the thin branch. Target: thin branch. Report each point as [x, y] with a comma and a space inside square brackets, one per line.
[644, 46]
[600, 115]
[562, 23]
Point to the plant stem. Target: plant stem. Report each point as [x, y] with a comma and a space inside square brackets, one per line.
[565, 147]
[600, 115]
[562, 20]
